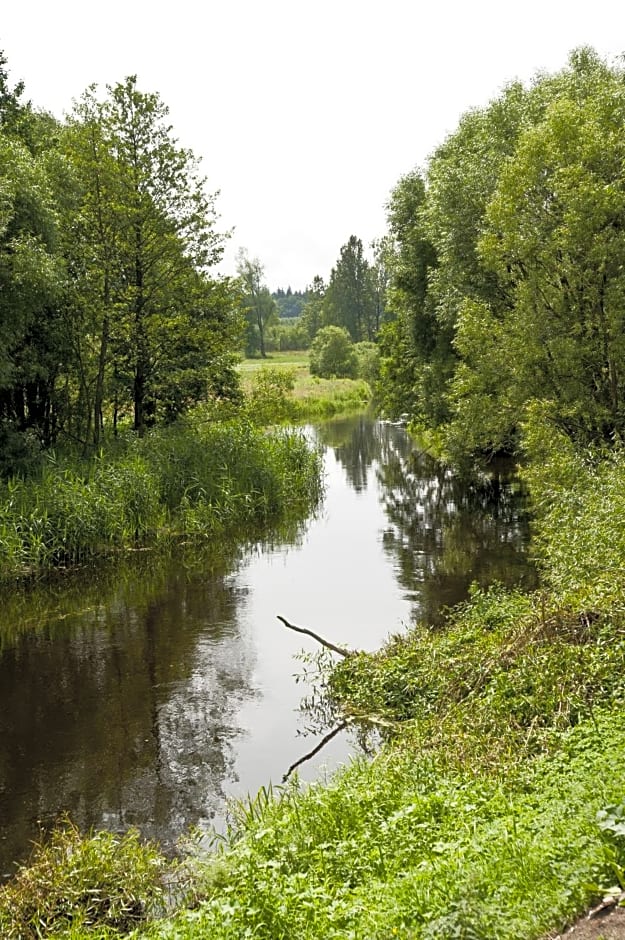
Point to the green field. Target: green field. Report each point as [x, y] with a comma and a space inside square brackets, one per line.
[315, 397]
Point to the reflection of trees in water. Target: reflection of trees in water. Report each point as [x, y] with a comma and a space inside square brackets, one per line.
[444, 530]
[124, 714]
[356, 442]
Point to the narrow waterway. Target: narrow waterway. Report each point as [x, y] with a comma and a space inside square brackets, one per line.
[151, 695]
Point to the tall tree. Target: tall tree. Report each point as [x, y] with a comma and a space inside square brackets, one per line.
[555, 235]
[31, 278]
[11, 108]
[259, 306]
[416, 352]
[146, 244]
[312, 313]
[350, 296]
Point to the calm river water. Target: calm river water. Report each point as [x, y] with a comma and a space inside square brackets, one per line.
[150, 696]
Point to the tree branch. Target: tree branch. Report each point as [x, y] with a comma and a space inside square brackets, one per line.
[315, 749]
[336, 649]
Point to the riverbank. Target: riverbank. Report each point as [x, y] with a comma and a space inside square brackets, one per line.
[196, 480]
[495, 809]
[215, 472]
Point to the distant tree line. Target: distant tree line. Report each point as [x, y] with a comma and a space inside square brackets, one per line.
[289, 303]
[354, 299]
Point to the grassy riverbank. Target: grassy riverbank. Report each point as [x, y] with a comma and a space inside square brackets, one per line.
[196, 480]
[495, 809]
[210, 474]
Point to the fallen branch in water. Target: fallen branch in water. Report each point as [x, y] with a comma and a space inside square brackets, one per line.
[315, 749]
[336, 649]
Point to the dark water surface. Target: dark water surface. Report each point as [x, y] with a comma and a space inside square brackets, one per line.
[149, 696]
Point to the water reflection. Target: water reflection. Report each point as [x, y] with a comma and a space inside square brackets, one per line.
[124, 713]
[443, 530]
[146, 695]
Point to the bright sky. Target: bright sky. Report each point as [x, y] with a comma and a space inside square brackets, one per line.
[305, 114]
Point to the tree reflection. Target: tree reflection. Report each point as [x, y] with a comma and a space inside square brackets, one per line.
[445, 530]
[123, 712]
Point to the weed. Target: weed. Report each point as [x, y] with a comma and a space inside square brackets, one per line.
[197, 479]
[83, 885]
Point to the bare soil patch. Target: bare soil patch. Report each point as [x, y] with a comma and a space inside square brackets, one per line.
[603, 923]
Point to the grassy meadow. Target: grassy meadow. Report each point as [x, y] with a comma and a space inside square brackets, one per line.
[309, 397]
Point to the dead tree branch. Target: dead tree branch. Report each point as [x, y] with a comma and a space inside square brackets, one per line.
[336, 649]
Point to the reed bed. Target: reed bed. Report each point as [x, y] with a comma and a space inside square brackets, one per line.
[194, 480]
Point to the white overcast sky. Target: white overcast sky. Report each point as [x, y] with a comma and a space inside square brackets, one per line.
[305, 112]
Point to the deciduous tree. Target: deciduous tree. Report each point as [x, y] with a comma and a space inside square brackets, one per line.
[259, 306]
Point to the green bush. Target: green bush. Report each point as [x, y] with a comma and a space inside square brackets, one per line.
[271, 399]
[368, 362]
[332, 354]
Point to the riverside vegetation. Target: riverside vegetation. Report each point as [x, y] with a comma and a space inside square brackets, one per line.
[215, 472]
[495, 807]
[200, 479]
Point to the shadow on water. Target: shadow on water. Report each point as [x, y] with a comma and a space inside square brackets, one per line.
[148, 694]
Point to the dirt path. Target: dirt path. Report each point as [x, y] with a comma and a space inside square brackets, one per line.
[607, 924]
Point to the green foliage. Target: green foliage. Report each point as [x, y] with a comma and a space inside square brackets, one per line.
[368, 355]
[510, 671]
[258, 306]
[350, 300]
[416, 354]
[73, 886]
[271, 399]
[142, 241]
[507, 268]
[333, 354]
[290, 303]
[580, 524]
[312, 313]
[107, 310]
[33, 339]
[409, 845]
[288, 335]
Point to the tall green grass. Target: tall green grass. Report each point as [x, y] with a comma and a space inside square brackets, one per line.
[75, 887]
[409, 846]
[197, 479]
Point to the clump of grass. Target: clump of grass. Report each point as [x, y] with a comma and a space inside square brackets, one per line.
[327, 398]
[506, 673]
[80, 886]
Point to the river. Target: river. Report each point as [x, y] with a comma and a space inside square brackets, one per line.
[153, 694]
